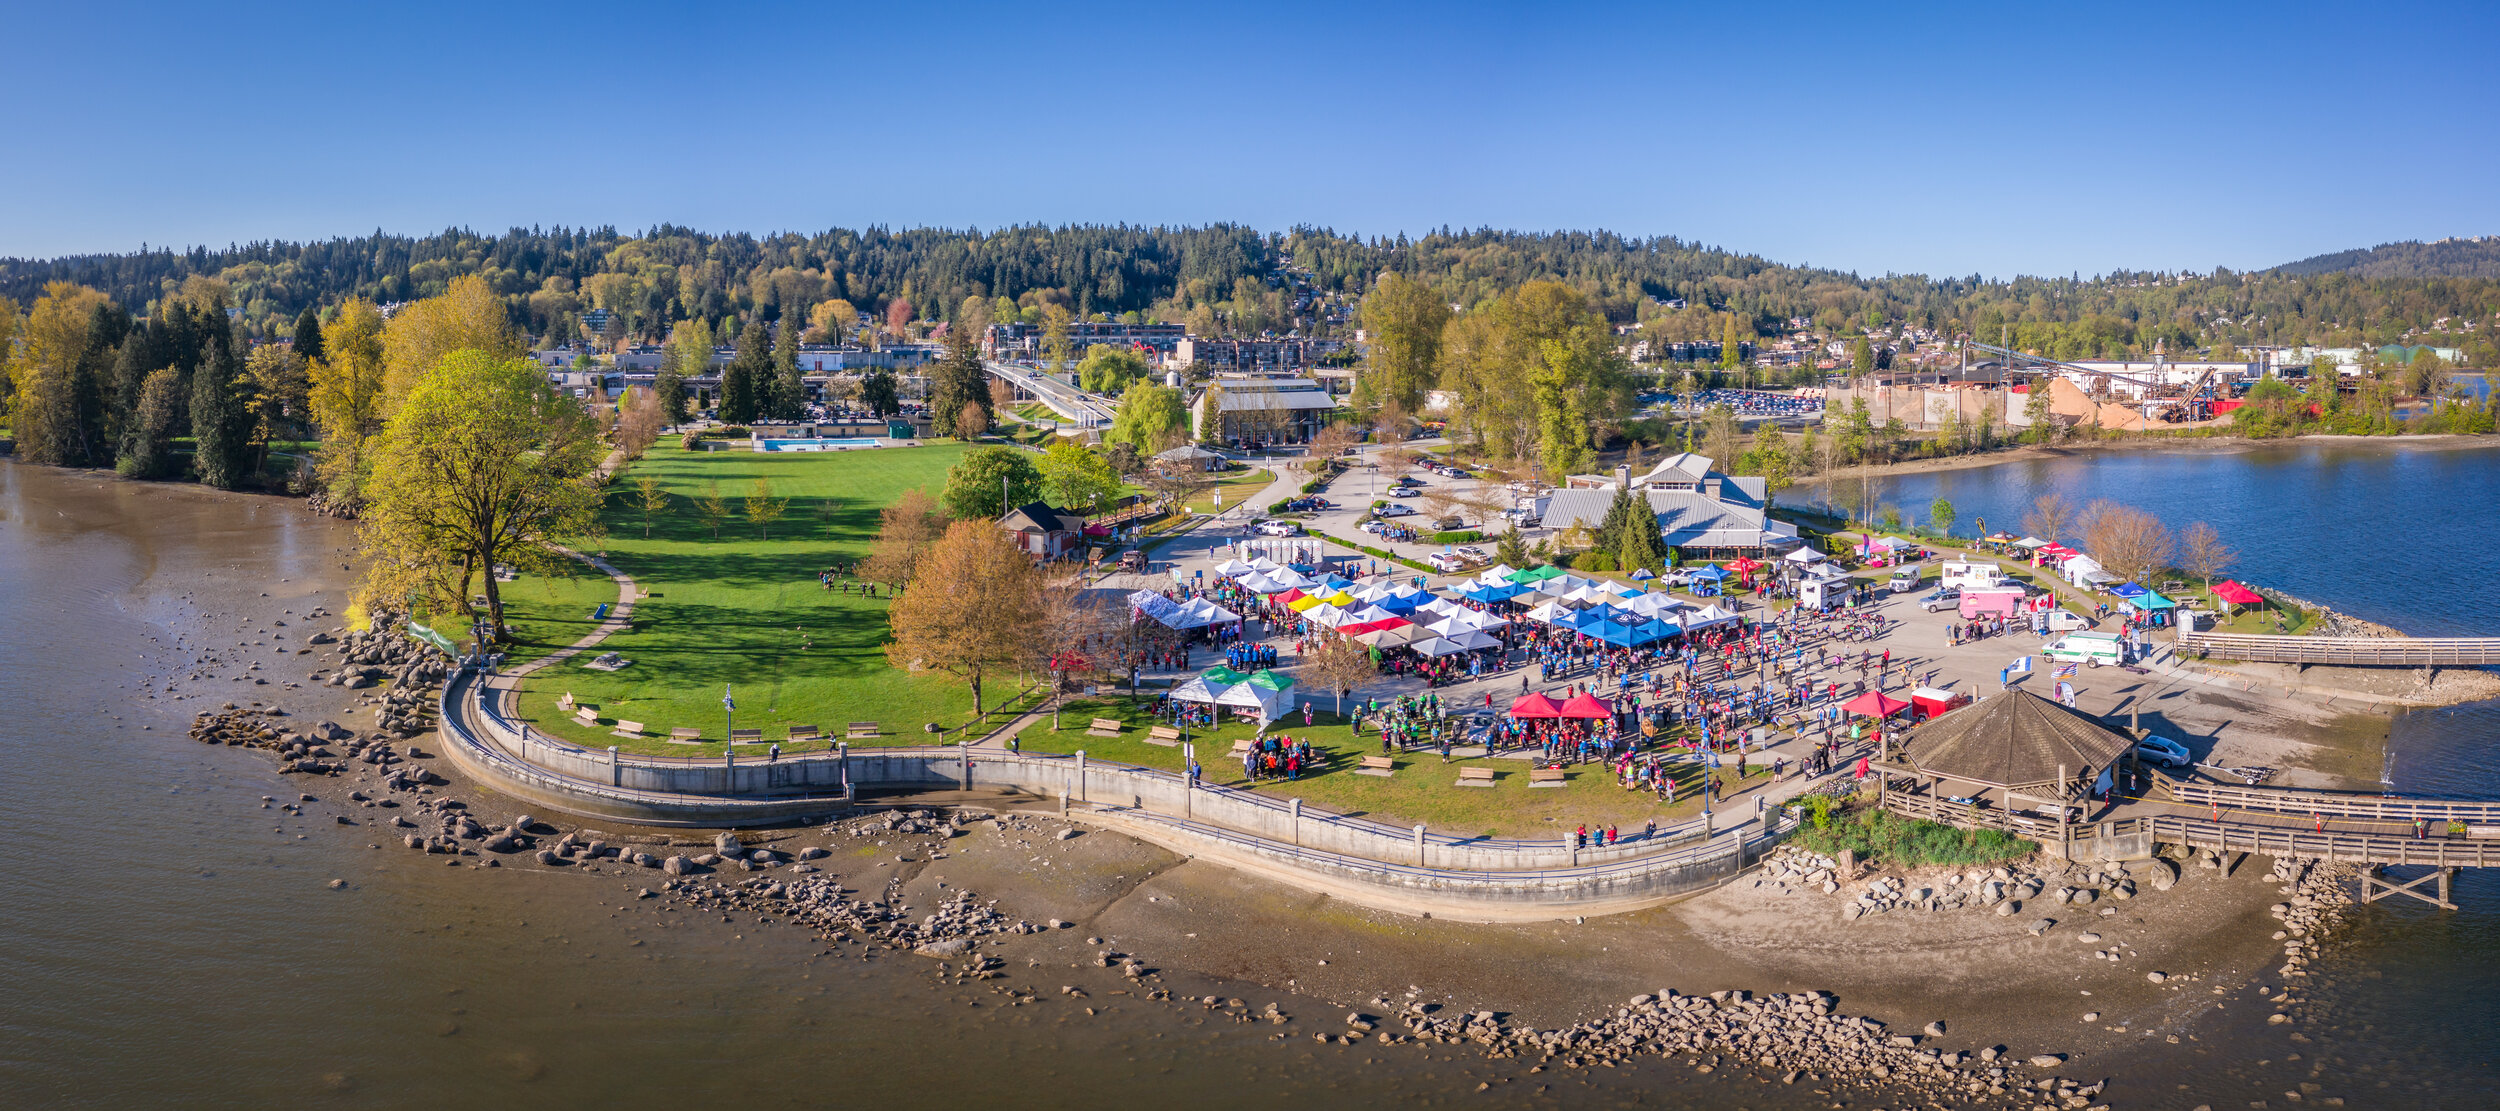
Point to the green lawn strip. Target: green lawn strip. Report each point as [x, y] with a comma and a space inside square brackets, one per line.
[1423, 790]
[546, 612]
[1235, 486]
[740, 609]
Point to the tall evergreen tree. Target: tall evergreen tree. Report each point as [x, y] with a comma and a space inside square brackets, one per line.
[877, 392]
[148, 438]
[90, 388]
[1637, 542]
[742, 382]
[140, 356]
[958, 381]
[789, 388]
[221, 419]
[308, 336]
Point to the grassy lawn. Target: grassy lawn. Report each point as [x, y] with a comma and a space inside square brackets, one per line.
[1423, 790]
[741, 609]
[1235, 486]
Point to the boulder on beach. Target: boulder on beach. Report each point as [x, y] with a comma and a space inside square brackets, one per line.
[951, 947]
[678, 866]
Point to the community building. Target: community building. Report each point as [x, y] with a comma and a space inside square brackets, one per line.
[1264, 410]
[1700, 511]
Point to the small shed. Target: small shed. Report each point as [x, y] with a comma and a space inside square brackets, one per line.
[1044, 532]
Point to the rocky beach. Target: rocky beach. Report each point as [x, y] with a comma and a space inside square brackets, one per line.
[2163, 983]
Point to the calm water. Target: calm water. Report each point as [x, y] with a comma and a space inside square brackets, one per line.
[166, 941]
[2409, 538]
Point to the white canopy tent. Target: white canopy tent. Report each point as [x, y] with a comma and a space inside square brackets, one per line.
[1325, 614]
[1201, 612]
[1708, 617]
[1233, 568]
[1474, 639]
[1497, 575]
[1197, 689]
[1804, 555]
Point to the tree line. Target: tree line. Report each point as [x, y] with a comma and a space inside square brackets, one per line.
[1224, 278]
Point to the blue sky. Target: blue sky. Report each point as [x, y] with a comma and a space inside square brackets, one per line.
[1945, 139]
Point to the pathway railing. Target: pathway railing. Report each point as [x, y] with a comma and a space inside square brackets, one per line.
[2332, 804]
[2345, 651]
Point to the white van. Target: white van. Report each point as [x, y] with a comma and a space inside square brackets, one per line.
[1961, 574]
[2065, 621]
[1904, 580]
[2093, 649]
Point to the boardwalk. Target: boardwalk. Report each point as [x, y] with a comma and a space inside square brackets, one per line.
[2345, 651]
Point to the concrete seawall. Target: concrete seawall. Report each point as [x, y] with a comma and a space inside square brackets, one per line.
[1410, 870]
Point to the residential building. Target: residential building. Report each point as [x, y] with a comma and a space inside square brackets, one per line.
[1019, 340]
[1044, 532]
[1289, 354]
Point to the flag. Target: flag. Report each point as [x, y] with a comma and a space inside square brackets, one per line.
[2022, 665]
[2065, 671]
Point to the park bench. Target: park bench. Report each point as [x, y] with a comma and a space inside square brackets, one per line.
[746, 736]
[804, 733]
[631, 730]
[1163, 735]
[685, 735]
[2482, 833]
[1104, 727]
[1475, 777]
[1377, 765]
[859, 729]
[1545, 777]
[1240, 747]
[586, 715]
[565, 703]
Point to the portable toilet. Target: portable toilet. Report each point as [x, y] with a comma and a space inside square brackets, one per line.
[898, 429]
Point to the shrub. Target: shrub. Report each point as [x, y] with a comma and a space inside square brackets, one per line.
[1462, 536]
[1594, 561]
[1282, 505]
[1908, 842]
[1314, 486]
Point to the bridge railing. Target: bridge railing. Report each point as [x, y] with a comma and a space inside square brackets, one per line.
[2347, 651]
[2332, 804]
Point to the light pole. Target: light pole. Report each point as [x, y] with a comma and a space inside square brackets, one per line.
[730, 706]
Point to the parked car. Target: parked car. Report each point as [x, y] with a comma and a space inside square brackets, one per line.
[1133, 560]
[1395, 511]
[2165, 752]
[1405, 492]
[1447, 562]
[1471, 551]
[1279, 528]
[1945, 599]
[1449, 524]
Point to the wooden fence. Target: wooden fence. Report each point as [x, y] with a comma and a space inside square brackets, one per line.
[2345, 651]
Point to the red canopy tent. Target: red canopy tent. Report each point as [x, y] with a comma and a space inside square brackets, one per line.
[1391, 623]
[1535, 706]
[2237, 595]
[1586, 705]
[1743, 566]
[1875, 704]
[1359, 627]
[1290, 596]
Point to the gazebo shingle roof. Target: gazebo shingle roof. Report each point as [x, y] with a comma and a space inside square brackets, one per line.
[2015, 739]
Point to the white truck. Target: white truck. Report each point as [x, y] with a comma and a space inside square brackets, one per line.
[2089, 649]
[1961, 574]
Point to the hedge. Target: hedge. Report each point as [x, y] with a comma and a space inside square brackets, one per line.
[1281, 506]
[1462, 536]
[1314, 486]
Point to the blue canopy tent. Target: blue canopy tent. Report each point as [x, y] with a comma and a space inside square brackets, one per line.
[1706, 580]
[1405, 605]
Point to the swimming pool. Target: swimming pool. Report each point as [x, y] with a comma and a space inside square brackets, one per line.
[834, 443]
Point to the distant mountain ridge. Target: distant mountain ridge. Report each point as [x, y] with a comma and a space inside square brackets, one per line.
[2476, 257]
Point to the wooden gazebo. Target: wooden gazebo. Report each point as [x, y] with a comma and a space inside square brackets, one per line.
[2013, 751]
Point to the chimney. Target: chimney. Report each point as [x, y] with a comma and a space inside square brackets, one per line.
[1623, 476]
[1710, 487]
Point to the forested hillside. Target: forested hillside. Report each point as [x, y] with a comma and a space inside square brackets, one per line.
[1226, 278]
[2448, 258]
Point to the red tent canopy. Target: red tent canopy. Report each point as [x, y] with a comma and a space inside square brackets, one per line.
[1743, 565]
[1586, 705]
[1535, 706]
[1359, 627]
[1391, 623]
[1875, 704]
[1290, 596]
[2236, 594]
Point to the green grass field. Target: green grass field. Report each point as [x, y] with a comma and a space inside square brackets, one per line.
[1423, 790]
[740, 609]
